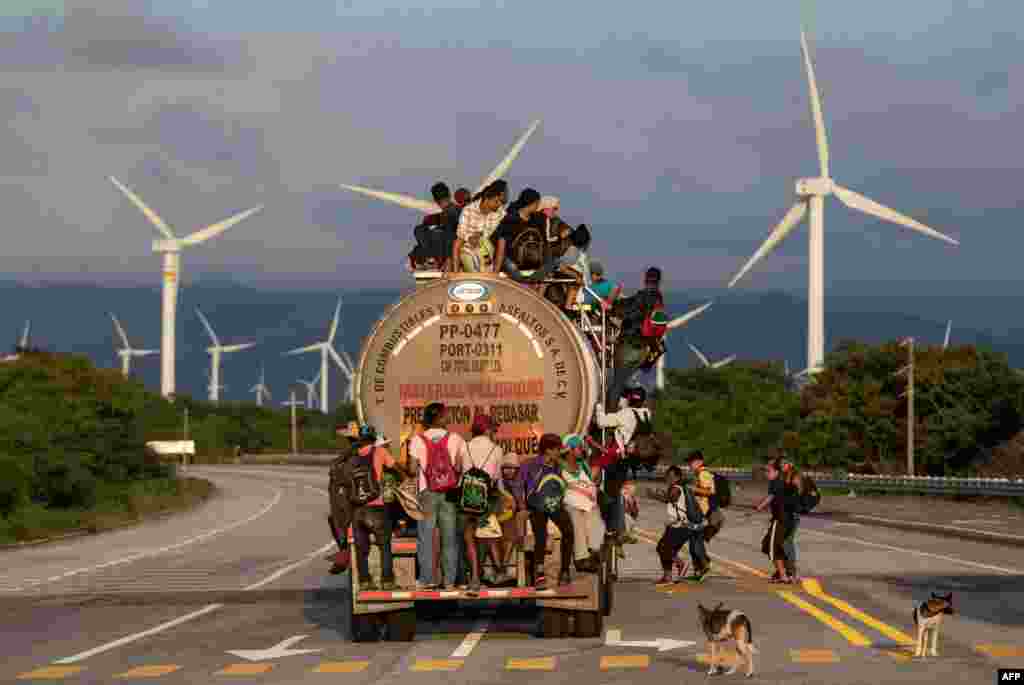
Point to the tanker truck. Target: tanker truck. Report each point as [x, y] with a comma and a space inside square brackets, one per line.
[482, 343]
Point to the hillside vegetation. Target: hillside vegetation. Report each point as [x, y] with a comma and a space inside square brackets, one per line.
[968, 412]
[73, 453]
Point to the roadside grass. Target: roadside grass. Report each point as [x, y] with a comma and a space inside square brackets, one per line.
[117, 504]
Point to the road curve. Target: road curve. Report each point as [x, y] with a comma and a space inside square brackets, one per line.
[171, 599]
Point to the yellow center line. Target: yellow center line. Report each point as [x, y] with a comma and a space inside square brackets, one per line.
[852, 636]
[814, 589]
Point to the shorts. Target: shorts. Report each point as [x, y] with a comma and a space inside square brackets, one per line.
[774, 542]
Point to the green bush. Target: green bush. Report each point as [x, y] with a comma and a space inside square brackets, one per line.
[15, 485]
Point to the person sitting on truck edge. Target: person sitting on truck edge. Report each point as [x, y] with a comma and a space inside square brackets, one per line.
[704, 492]
[516, 221]
[439, 511]
[472, 250]
[373, 516]
[581, 503]
[624, 421]
[632, 349]
[684, 525]
[435, 235]
[485, 454]
[533, 471]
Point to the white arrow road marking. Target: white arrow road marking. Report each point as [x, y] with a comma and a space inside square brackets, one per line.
[128, 639]
[276, 652]
[613, 638]
[470, 642]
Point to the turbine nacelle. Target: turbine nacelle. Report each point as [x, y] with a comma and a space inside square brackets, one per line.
[166, 245]
[814, 187]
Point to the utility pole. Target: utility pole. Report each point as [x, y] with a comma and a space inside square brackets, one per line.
[909, 393]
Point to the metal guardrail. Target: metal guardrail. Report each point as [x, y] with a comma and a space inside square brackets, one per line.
[929, 485]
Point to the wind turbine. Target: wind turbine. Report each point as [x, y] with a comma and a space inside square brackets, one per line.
[811, 193]
[707, 364]
[659, 377]
[127, 352]
[949, 329]
[429, 207]
[23, 343]
[170, 246]
[326, 349]
[311, 389]
[261, 389]
[216, 350]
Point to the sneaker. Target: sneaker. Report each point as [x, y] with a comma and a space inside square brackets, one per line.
[388, 586]
[564, 578]
[368, 585]
[474, 586]
[425, 587]
[664, 580]
[540, 581]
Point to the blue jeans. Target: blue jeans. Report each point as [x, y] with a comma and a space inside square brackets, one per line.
[439, 513]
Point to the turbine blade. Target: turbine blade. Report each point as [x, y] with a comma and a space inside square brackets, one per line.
[153, 217]
[237, 348]
[144, 353]
[681, 320]
[315, 347]
[788, 223]
[25, 332]
[316, 378]
[503, 165]
[724, 362]
[396, 198]
[120, 331]
[868, 206]
[218, 228]
[340, 363]
[949, 328]
[700, 355]
[348, 360]
[209, 328]
[334, 323]
[816, 113]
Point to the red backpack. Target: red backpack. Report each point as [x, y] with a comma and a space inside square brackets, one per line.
[655, 324]
[440, 473]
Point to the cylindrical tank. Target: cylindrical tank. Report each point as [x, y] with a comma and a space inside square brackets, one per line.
[479, 343]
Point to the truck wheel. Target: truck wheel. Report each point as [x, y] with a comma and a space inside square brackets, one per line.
[589, 624]
[554, 622]
[402, 625]
[365, 628]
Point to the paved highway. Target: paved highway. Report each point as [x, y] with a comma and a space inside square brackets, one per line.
[171, 600]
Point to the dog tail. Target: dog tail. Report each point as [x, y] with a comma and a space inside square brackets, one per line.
[750, 634]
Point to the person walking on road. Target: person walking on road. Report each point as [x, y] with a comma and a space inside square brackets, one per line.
[685, 524]
[773, 543]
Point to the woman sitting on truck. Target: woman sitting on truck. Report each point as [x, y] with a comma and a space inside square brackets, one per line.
[581, 503]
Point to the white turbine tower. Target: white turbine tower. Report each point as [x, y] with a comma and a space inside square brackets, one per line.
[261, 390]
[709, 365]
[127, 352]
[949, 329]
[23, 343]
[429, 207]
[311, 390]
[659, 372]
[170, 246]
[812, 193]
[216, 350]
[326, 349]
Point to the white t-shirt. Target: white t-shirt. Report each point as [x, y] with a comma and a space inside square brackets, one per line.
[484, 454]
[418, 451]
[578, 484]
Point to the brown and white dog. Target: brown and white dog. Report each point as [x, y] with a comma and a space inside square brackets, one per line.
[722, 625]
[928, 619]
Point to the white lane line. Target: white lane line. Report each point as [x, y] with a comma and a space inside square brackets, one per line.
[154, 552]
[917, 553]
[195, 614]
[939, 527]
[138, 636]
[470, 642]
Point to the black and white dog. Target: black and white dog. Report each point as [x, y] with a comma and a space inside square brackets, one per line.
[722, 625]
[928, 619]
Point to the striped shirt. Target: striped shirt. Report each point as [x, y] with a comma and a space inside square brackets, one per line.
[474, 221]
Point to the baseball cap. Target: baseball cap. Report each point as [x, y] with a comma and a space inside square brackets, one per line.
[571, 441]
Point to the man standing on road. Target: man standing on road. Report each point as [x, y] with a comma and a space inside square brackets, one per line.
[704, 492]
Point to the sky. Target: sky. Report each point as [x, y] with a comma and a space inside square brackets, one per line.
[676, 133]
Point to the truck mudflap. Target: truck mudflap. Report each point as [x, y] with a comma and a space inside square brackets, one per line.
[567, 592]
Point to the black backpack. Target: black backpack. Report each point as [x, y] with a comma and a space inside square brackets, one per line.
[810, 497]
[363, 484]
[723, 491]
